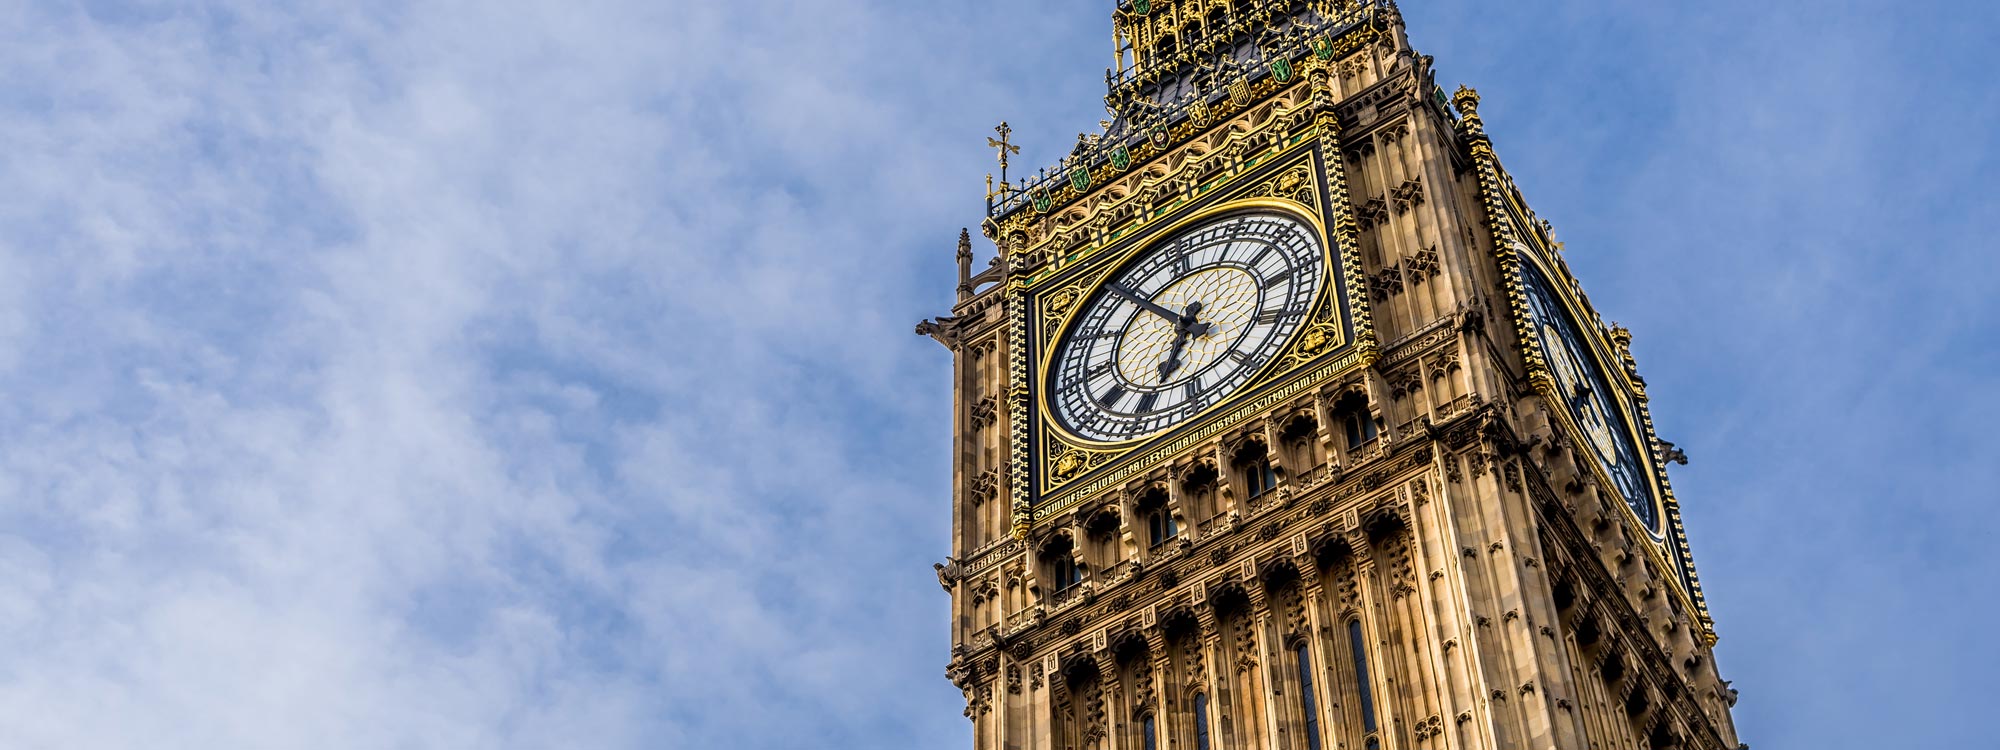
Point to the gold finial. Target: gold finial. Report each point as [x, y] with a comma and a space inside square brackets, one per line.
[1007, 148]
[1467, 100]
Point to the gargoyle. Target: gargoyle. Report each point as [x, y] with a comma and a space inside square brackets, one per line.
[942, 329]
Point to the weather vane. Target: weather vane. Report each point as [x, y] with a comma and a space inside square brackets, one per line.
[1006, 147]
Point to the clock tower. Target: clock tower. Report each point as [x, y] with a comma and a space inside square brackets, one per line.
[1281, 423]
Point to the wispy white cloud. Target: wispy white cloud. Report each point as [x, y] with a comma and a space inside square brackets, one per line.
[538, 375]
[466, 376]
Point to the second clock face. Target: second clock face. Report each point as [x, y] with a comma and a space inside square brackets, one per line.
[1588, 397]
[1186, 324]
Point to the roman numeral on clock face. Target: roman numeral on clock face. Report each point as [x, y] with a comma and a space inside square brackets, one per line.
[1111, 397]
[1255, 272]
[1146, 402]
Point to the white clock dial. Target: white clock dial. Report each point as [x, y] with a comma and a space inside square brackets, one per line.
[1184, 325]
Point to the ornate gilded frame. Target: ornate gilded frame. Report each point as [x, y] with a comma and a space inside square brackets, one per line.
[1280, 155]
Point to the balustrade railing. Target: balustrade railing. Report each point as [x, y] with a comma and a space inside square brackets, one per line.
[1311, 478]
[1066, 597]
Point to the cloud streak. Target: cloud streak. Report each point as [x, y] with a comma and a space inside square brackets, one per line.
[530, 375]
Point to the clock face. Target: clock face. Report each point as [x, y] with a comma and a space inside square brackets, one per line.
[1588, 397]
[1187, 323]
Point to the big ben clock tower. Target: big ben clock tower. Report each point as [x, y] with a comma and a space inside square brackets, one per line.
[1282, 424]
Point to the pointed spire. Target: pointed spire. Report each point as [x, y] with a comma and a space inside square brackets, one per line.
[964, 264]
[1467, 101]
[1469, 125]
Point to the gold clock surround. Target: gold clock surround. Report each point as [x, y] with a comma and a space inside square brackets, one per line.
[1336, 322]
[1317, 317]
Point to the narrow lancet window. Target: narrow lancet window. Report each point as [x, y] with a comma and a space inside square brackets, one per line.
[1201, 721]
[1307, 704]
[1361, 676]
[1152, 734]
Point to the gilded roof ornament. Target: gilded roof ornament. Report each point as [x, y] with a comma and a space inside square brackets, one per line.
[1005, 145]
[1007, 149]
[1467, 100]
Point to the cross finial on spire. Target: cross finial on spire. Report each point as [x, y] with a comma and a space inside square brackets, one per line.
[1007, 148]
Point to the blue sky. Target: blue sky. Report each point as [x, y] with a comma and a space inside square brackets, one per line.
[532, 374]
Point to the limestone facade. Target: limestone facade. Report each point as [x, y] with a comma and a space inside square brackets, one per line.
[1417, 553]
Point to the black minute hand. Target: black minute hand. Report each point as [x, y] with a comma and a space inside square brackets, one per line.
[1145, 304]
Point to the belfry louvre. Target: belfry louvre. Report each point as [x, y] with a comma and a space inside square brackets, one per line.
[1282, 423]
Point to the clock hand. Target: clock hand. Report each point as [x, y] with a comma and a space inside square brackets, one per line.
[1184, 326]
[1187, 324]
[1145, 304]
[1174, 357]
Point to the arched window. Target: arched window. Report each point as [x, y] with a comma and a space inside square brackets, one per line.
[1299, 439]
[1258, 476]
[1201, 721]
[1160, 525]
[1066, 573]
[1360, 427]
[1351, 413]
[1060, 557]
[1152, 733]
[1306, 703]
[1361, 677]
[1101, 535]
[1198, 493]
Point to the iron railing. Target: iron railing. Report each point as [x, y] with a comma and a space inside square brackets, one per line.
[1141, 115]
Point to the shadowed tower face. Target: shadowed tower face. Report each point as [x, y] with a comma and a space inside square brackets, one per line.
[1282, 423]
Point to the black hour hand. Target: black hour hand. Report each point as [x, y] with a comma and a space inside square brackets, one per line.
[1173, 362]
